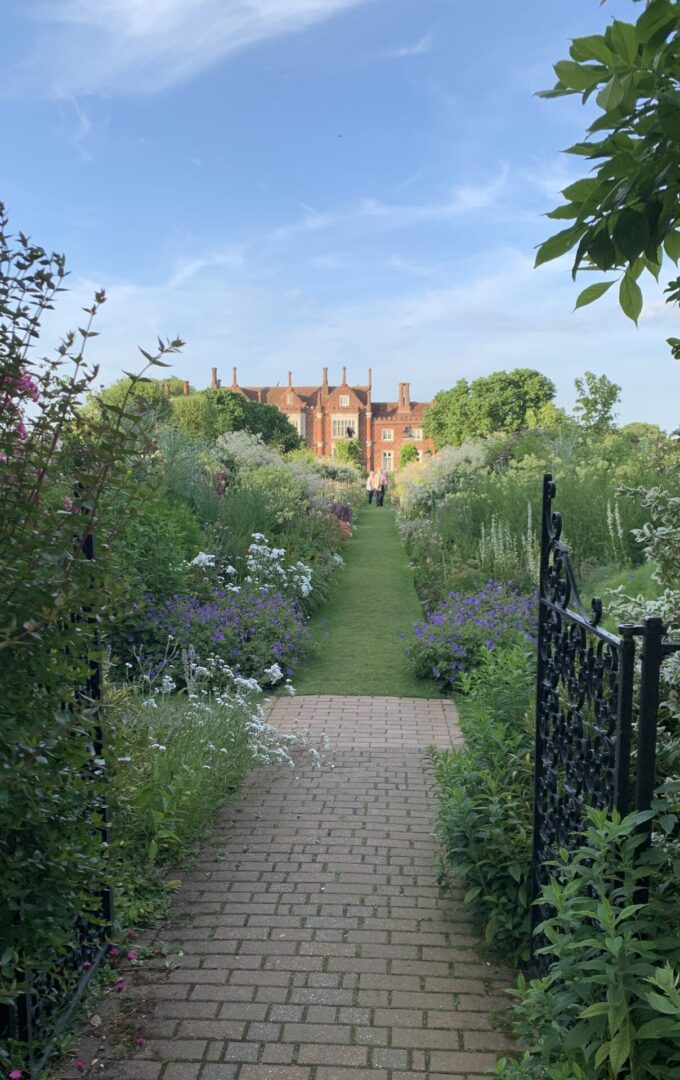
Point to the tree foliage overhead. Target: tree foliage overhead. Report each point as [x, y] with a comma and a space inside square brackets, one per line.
[626, 214]
[502, 401]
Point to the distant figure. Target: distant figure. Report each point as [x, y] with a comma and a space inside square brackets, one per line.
[371, 487]
[381, 487]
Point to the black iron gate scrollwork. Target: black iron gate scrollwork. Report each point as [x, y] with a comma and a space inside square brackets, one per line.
[584, 706]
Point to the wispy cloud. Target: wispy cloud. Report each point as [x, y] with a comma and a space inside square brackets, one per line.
[132, 46]
[496, 312]
[417, 48]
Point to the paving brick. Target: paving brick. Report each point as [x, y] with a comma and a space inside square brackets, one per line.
[461, 1062]
[182, 1071]
[350, 1074]
[319, 947]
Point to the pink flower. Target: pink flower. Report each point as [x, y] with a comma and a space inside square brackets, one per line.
[15, 1074]
[79, 1064]
[142, 1042]
[129, 933]
[131, 955]
[87, 965]
[120, 985]
[114, 950]
[68, 503]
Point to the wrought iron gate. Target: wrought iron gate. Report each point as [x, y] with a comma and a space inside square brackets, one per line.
[584, 706]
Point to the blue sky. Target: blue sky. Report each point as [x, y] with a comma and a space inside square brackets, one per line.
[298, 183]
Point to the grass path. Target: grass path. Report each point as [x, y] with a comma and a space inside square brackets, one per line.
[356, 643]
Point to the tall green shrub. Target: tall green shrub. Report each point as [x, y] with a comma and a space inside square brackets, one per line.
[55, 465]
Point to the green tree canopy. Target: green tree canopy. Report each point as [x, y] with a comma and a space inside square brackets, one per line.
[626, 213]
[151, 391]
[407, 455]
[350, 452]
[204, 414]
[211, 413]
[502, 401]
[595, 401]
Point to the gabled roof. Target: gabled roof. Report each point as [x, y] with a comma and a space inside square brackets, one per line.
[305, 395]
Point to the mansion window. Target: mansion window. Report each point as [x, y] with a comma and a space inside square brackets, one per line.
[343, 427]
[344, 401]
[413, 433]
[387, 460]
[388, 434]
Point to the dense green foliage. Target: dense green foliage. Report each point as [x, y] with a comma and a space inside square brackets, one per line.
[407, 455]
[485, 806]
[350, 452]
[503, 401]
[53, 598]
[609, 1005]
[203, 414]
[625, 213]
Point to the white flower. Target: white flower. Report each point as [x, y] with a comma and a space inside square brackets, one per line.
[203, 560]
[273, 674]
[158, 746]
[289, 688]
[167, 685]
[150, 703]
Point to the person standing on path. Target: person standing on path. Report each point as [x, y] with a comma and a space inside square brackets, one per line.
[371, 487]
[381, 487]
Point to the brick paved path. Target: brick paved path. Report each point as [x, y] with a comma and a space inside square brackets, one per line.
[315, 946]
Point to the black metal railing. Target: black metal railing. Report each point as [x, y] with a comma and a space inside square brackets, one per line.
[585, 690]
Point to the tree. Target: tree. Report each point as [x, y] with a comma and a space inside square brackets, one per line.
[502, 401]
[349, 451]
[151, 392]
[596, 397]
[211, 413]
[407, 455]
[627, 214]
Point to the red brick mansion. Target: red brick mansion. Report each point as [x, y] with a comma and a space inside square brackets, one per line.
[323, 414]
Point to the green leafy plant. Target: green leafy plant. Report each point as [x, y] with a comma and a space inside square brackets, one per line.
[56, 466]
[408, 455]
[609, 1005]
[485, 806]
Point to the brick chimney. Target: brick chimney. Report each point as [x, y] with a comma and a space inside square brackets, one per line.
[344, 376]
[290, 378]
[324, 380]
[406, 395]
[185, 388]
[234, 379]
[214, 382]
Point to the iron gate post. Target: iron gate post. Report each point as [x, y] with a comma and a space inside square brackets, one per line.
[546, 511]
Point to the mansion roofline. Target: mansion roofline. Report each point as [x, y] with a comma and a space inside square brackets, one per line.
[326, 413]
